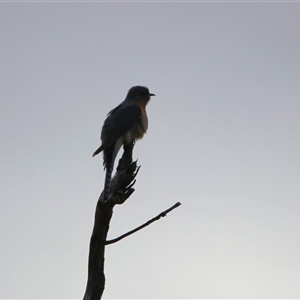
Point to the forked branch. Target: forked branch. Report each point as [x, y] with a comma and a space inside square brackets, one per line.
[120, 190]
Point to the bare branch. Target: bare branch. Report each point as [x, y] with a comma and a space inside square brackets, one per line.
[162, 214]
[120, 191]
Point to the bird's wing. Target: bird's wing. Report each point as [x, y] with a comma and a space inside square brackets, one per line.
[119, 121]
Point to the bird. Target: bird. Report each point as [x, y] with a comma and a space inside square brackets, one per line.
[124, 124]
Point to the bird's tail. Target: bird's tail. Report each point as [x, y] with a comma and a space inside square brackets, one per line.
[107, 181]
[109, 160]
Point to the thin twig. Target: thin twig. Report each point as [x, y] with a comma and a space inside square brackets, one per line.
[162, 214]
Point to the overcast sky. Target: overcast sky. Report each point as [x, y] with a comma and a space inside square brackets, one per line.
[223, 140]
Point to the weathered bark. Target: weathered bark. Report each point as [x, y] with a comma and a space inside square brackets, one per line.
[120, 190]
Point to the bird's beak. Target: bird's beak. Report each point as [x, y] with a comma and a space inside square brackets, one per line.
[151, 94]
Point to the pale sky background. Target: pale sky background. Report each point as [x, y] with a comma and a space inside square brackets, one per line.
[223, 139]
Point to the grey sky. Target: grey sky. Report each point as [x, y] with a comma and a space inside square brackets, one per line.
[223, 139]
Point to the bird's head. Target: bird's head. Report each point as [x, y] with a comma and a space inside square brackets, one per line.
[139, 93]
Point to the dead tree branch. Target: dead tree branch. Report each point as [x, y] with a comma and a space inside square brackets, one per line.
[162, 214]
[121, 189]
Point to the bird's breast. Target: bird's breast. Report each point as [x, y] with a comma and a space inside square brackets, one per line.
[138, 130]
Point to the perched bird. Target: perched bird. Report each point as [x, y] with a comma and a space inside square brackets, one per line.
[125, 123]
